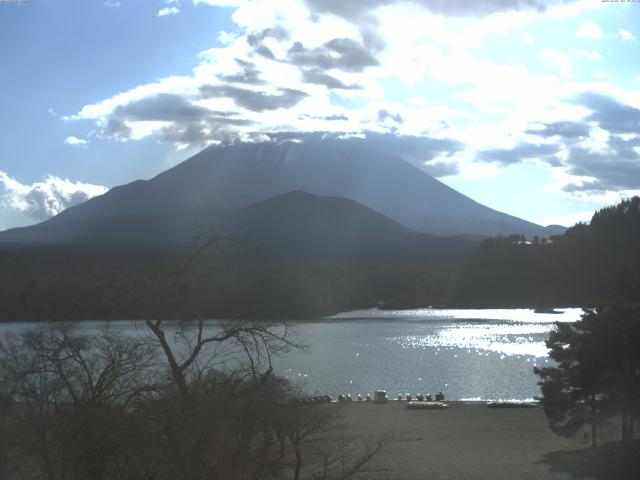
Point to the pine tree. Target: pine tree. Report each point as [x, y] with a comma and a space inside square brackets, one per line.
[597, 372]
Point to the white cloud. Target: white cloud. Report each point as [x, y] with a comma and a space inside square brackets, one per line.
[463, 94]
[627, 35]
[222, 3]
[588, 54]
[168, 11]
[589, 30]
[112, 4]
[72, 140]
[47, 198]
[419, 45]
[567, 220]
[558, 61]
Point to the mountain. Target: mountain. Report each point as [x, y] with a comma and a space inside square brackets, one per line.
[306, 255]
[299, 225]
[223, 179]
[295, 225]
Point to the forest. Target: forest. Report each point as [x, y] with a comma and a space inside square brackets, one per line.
[590, 262]
[587, 263]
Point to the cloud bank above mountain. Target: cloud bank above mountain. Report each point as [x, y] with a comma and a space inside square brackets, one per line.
[402, 67]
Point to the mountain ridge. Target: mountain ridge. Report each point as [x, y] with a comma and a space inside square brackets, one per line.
[225, 178]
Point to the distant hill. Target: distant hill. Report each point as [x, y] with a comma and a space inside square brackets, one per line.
[222, 179]
[306, 255]
[298, 225]
[587, 264]
[294, 225]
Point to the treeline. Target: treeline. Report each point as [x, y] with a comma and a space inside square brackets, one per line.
[586, 264]
[184, 402]
[47, 286]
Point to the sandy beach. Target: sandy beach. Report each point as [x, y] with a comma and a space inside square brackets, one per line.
[464, 441]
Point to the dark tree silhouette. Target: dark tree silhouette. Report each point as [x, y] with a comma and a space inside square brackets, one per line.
[597, 375]
[589, 263]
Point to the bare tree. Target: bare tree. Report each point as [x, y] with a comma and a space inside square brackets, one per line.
[191, 400]
[70, 393]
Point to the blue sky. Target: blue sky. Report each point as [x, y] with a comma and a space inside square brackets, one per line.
[542, 104]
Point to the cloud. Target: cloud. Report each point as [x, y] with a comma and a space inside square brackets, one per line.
[523, 151]
[616, 168]
[330, 118]
[222, 3]
[179, 120]
[339, 53]
[318, 77]
[256, 101]
[626, 35]
[162, 107]
[611, 115]
[599, 155]
[163, 12]
[565, 129]
[47, 198]
[112, 4]
[116, 129]
[567, 220]
[558, 61]
[589, 30]
[72, 140]
[384, 115]
[277, 33]
[588, 54]
[427, 153]
[248, 74]
[315, 66]
[357, 10]
[441, 169]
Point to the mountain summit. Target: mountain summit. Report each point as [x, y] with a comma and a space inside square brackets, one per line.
[223, 179]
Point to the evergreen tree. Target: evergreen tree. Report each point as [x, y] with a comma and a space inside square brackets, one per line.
[597, 375]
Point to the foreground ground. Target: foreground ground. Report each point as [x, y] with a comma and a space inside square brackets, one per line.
[467, 441]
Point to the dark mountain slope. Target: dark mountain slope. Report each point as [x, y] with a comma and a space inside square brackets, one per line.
[294, 225]
[225, 178]
[301, 225]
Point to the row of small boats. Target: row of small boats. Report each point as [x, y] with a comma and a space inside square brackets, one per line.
[379, 396]
[439, 397]
[417, 405]
[314, 400]
[511, 404]
[417, 402]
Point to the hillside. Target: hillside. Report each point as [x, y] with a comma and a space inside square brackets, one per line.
[583, 266]
[222, 179]
[303, 255]
[329, 225]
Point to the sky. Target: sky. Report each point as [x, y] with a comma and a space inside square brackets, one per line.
[537, 102]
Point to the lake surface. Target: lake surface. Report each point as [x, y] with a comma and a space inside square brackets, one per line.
[467, 354]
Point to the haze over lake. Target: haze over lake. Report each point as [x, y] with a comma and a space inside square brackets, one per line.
[468, 354]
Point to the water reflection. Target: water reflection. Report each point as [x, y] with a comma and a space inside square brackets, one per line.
[484, 354]
[507, 339]
[431, 314]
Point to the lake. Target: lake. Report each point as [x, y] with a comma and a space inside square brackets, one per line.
[468, 354]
